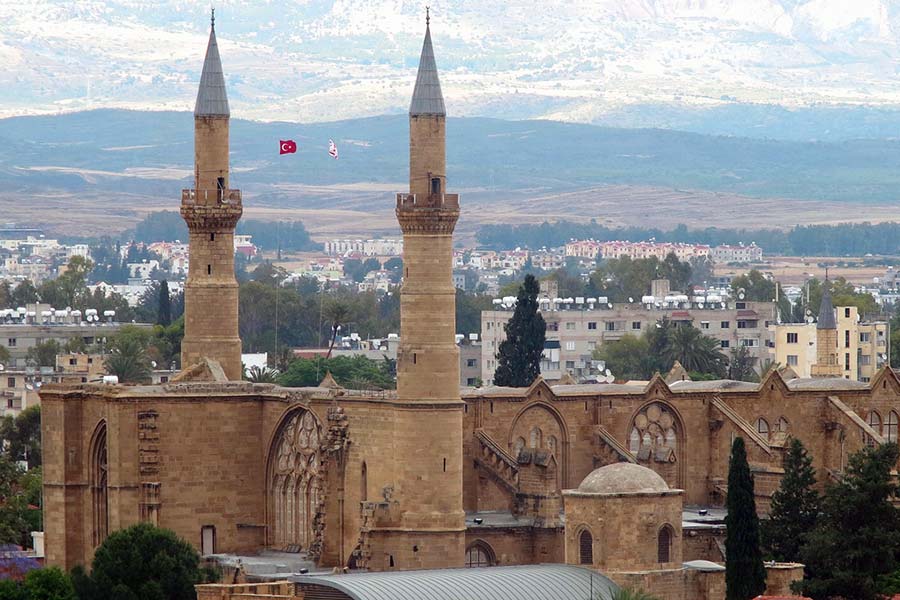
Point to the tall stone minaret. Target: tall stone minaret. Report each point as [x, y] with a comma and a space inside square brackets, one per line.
[827, 364]
[428, 418]
[211, 210]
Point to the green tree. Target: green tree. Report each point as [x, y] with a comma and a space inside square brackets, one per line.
[12, 590]
[337, 312]
[756, 287]
[128, 357]
[468, 311]
[21, 436]
[795, 507]
[745, 573]
[519, 355]
[164, 312]
[43, 354]
[740, 365]
[357, 372]
[25, 293]
[627, 358]
[856, 542]
[145, 563]
[4, 355]
[14, 518]
[695, 351]
[257, 374]
[49, 584]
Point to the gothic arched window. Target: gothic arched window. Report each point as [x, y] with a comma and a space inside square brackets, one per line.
[99, 474]
[586, 548]
[783, 425]
[552, 444]
[294, 480]
[890, 427]
[480, 554]
[762, 427]
[634, 441]
[518, 446]
[536, 437]
[874, 421]
[664, 544]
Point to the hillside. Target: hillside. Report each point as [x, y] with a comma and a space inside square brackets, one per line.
[128, 161]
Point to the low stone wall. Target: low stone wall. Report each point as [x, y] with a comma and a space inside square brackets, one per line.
[278, 590]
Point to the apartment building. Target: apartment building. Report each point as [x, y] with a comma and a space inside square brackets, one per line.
[24, 328]
[736, 254]
[576, 328]
[862, 347]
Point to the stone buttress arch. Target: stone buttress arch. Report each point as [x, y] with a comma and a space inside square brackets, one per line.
[563, 457]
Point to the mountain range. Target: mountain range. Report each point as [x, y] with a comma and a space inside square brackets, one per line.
[792, 69]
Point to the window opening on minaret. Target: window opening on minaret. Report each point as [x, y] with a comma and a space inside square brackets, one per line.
[435, 185]
[209, 269]
[445, 465]
[414, 358]
[212, 237]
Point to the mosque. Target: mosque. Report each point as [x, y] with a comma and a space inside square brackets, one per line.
[623, 482]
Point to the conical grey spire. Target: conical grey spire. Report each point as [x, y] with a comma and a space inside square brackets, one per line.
[427, 98]
[826, 310]
[211, 98]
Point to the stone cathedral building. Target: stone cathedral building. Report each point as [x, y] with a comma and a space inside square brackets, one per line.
[429, 476]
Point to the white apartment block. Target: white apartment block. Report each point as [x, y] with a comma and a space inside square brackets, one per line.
[736, 254]
[375, 247]
[575, 330]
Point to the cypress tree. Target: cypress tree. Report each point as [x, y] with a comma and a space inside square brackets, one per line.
[164, 314]
[745, 574]
[853, 551]
[795, 507]
[519, 355]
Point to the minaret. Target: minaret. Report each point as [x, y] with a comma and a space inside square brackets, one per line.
[428, 419]
[211, 210]
[827, 364]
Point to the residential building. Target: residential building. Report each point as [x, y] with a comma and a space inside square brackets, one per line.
[857, 350]
[736, 254]
[576, 329]
[638, 250]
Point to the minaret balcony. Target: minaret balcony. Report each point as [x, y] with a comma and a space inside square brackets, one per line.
[411, 201]
[191, 197]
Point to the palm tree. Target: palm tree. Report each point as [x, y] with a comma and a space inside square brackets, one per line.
[695, 351]
[257, 374]
[128, 360]
[338, 312]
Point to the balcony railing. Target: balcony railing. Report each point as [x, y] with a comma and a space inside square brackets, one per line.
[218, 196]
[430, 201]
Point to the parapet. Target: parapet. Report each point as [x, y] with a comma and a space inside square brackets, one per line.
[211, 210]
[435, 214]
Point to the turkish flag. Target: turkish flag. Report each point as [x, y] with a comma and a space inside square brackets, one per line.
[287, 147]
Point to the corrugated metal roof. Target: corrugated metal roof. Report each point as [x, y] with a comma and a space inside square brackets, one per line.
[528, 582]
[211, 98]
[427, 98]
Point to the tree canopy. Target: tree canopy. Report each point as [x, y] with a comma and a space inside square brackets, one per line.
[519, 355]
[795, 507]
[745, 573]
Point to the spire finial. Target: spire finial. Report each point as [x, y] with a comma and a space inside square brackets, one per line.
[427, 16]
[212, 18]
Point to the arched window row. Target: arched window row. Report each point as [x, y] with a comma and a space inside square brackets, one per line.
[886, 429]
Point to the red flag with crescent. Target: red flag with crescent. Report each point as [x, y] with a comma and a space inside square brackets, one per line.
[287, 147]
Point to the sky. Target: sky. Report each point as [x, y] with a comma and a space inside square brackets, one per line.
[571, 60]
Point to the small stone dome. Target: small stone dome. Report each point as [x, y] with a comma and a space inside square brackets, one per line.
[623, 478]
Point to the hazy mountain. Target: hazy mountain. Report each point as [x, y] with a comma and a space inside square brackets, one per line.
[647, 62]
[152, 153]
